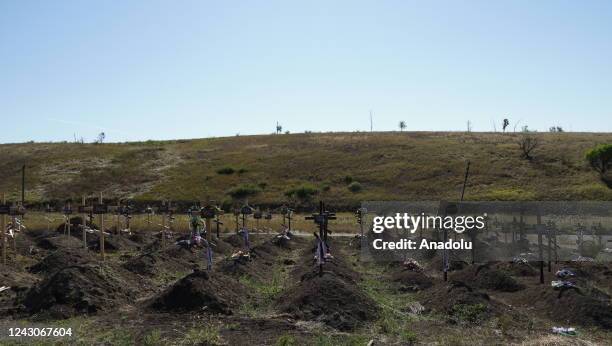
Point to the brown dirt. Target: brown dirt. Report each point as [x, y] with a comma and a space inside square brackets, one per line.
[76, 290]
[411, 281]
[200, 290]
[487, 277]
[332, 297]
[60, 259]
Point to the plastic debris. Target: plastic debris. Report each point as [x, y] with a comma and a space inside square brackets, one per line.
[4, 288]
[562, 284]
[413, 265]
[565, 273]
[583, 259]
[564, 331]
[240, 255]
[519, 260]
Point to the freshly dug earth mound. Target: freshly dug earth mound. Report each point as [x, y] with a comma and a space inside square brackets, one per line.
[517, 269]
[330, 299]
[59, 242]
[200, 291]
[461, 303]
[411, 281]
[60, 259]
[76, 290]
[485, 277]
[234, 240]
[577, 306]
[114, 243]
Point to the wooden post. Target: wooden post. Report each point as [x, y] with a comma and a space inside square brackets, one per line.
[540, 251]
[84, 223]
[69, 224]
[3, 224]
[163, 229]
[102, 231]
[548, 237]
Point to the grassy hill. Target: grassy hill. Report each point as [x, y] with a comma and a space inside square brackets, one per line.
[386, 166]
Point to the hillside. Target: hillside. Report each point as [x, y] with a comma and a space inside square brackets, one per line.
[387, 166]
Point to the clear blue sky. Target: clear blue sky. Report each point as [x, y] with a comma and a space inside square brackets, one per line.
[185, 69]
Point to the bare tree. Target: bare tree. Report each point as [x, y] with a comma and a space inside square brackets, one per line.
[505, 124]
[402, 125]
[527, 143]
[279, 128]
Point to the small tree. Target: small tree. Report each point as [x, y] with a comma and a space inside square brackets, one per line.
[100, 139]
[279, 128]
[402, 125]
[527, 143]
[505, 124]
[600, 158]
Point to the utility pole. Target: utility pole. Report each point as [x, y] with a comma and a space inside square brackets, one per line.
[371, 121]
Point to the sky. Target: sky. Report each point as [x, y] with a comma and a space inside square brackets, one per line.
[140, 70]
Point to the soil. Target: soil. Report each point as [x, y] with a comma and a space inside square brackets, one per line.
[200, 291]
[331, 297]
[79, 289]
[488, 277]
[411, 281]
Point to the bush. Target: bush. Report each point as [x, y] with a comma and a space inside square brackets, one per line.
[244, 191]
[355, 187]
[348, 179]
[303, 192]
[470, 313]
[226, 170]
[242, 170]
[600, 158]
[227, 205]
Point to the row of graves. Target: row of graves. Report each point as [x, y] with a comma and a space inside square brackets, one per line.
[546, 236]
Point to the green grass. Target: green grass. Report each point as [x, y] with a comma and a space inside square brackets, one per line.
[207, 335]
[388, 166]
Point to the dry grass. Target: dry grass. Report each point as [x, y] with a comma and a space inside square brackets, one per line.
[389, 166]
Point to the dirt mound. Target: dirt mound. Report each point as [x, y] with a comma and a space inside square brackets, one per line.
[200, 291]
[329, 299]
[155, 262]
[58, 242]
[114, 243]
[462, 303]
[411, 281]
[60, 259]
[485, 277]
[234, 240]
[77, 290]
[517, 269]
[573, 306]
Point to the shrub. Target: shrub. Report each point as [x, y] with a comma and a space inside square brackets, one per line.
[355, 187]
[227, 205]
[242, 170]
[348, 179]
[303, 192]
[226, 170]
[286, 340]
[244, 191]
[471, 313]
[600, 158]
